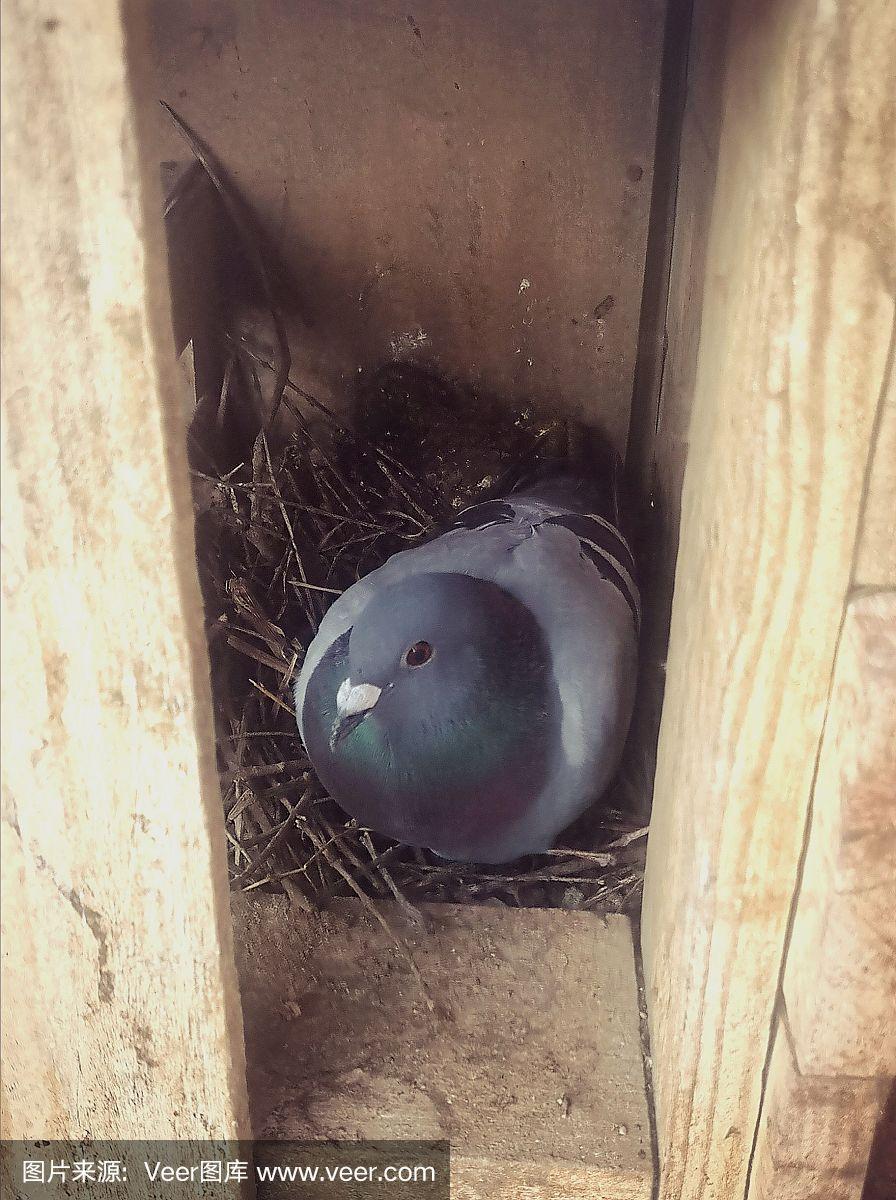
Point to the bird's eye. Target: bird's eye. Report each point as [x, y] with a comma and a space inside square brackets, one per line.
[418, 654]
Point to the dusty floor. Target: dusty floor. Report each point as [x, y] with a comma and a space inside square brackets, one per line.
[515, 1034]
[463, 184]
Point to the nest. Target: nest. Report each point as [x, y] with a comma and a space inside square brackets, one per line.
[310, 507]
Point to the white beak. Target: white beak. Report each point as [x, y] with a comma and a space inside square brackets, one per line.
[353, 703]
[352, 699]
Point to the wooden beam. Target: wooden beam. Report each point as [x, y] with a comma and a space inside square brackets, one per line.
[794, 338]
[121, 1017]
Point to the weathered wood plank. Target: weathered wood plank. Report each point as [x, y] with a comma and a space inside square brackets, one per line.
[515, 1034]
[816, 1131]
[840, 978]
[121, 1016]
[876, 560]
[835, 1047]
[797, 314]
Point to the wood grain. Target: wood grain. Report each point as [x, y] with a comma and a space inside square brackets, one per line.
[816, 1131]
[840, 978]
[121, 1016]
[834, 1056]
[876, 559]
[797, 316]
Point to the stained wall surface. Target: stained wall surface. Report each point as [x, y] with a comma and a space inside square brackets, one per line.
[465, 184]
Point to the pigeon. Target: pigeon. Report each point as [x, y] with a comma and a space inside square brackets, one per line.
[473, 695]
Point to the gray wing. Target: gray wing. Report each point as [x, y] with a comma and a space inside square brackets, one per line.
[592, 635]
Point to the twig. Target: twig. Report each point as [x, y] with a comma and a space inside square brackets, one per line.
[377, 451]
[270, 695]
[309, 608]
[250, 651]
[297, 896]
[408, 908]
[241, 773]
[314, 587]
[339, 840]
[276, 840]
[225, 394]
[626, 839]
[249, 241]
[378, 916]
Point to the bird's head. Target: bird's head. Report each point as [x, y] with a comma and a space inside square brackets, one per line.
[419, 650]
[429, 719]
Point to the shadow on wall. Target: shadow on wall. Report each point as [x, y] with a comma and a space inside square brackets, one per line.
[880, 1181]
[464, 184]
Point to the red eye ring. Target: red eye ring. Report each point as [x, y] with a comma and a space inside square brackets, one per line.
[418, 655]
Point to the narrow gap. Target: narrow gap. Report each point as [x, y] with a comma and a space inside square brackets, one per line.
[652, 337]
[651, 534]
[644, 418]
[646, 1054]
[874, 438]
